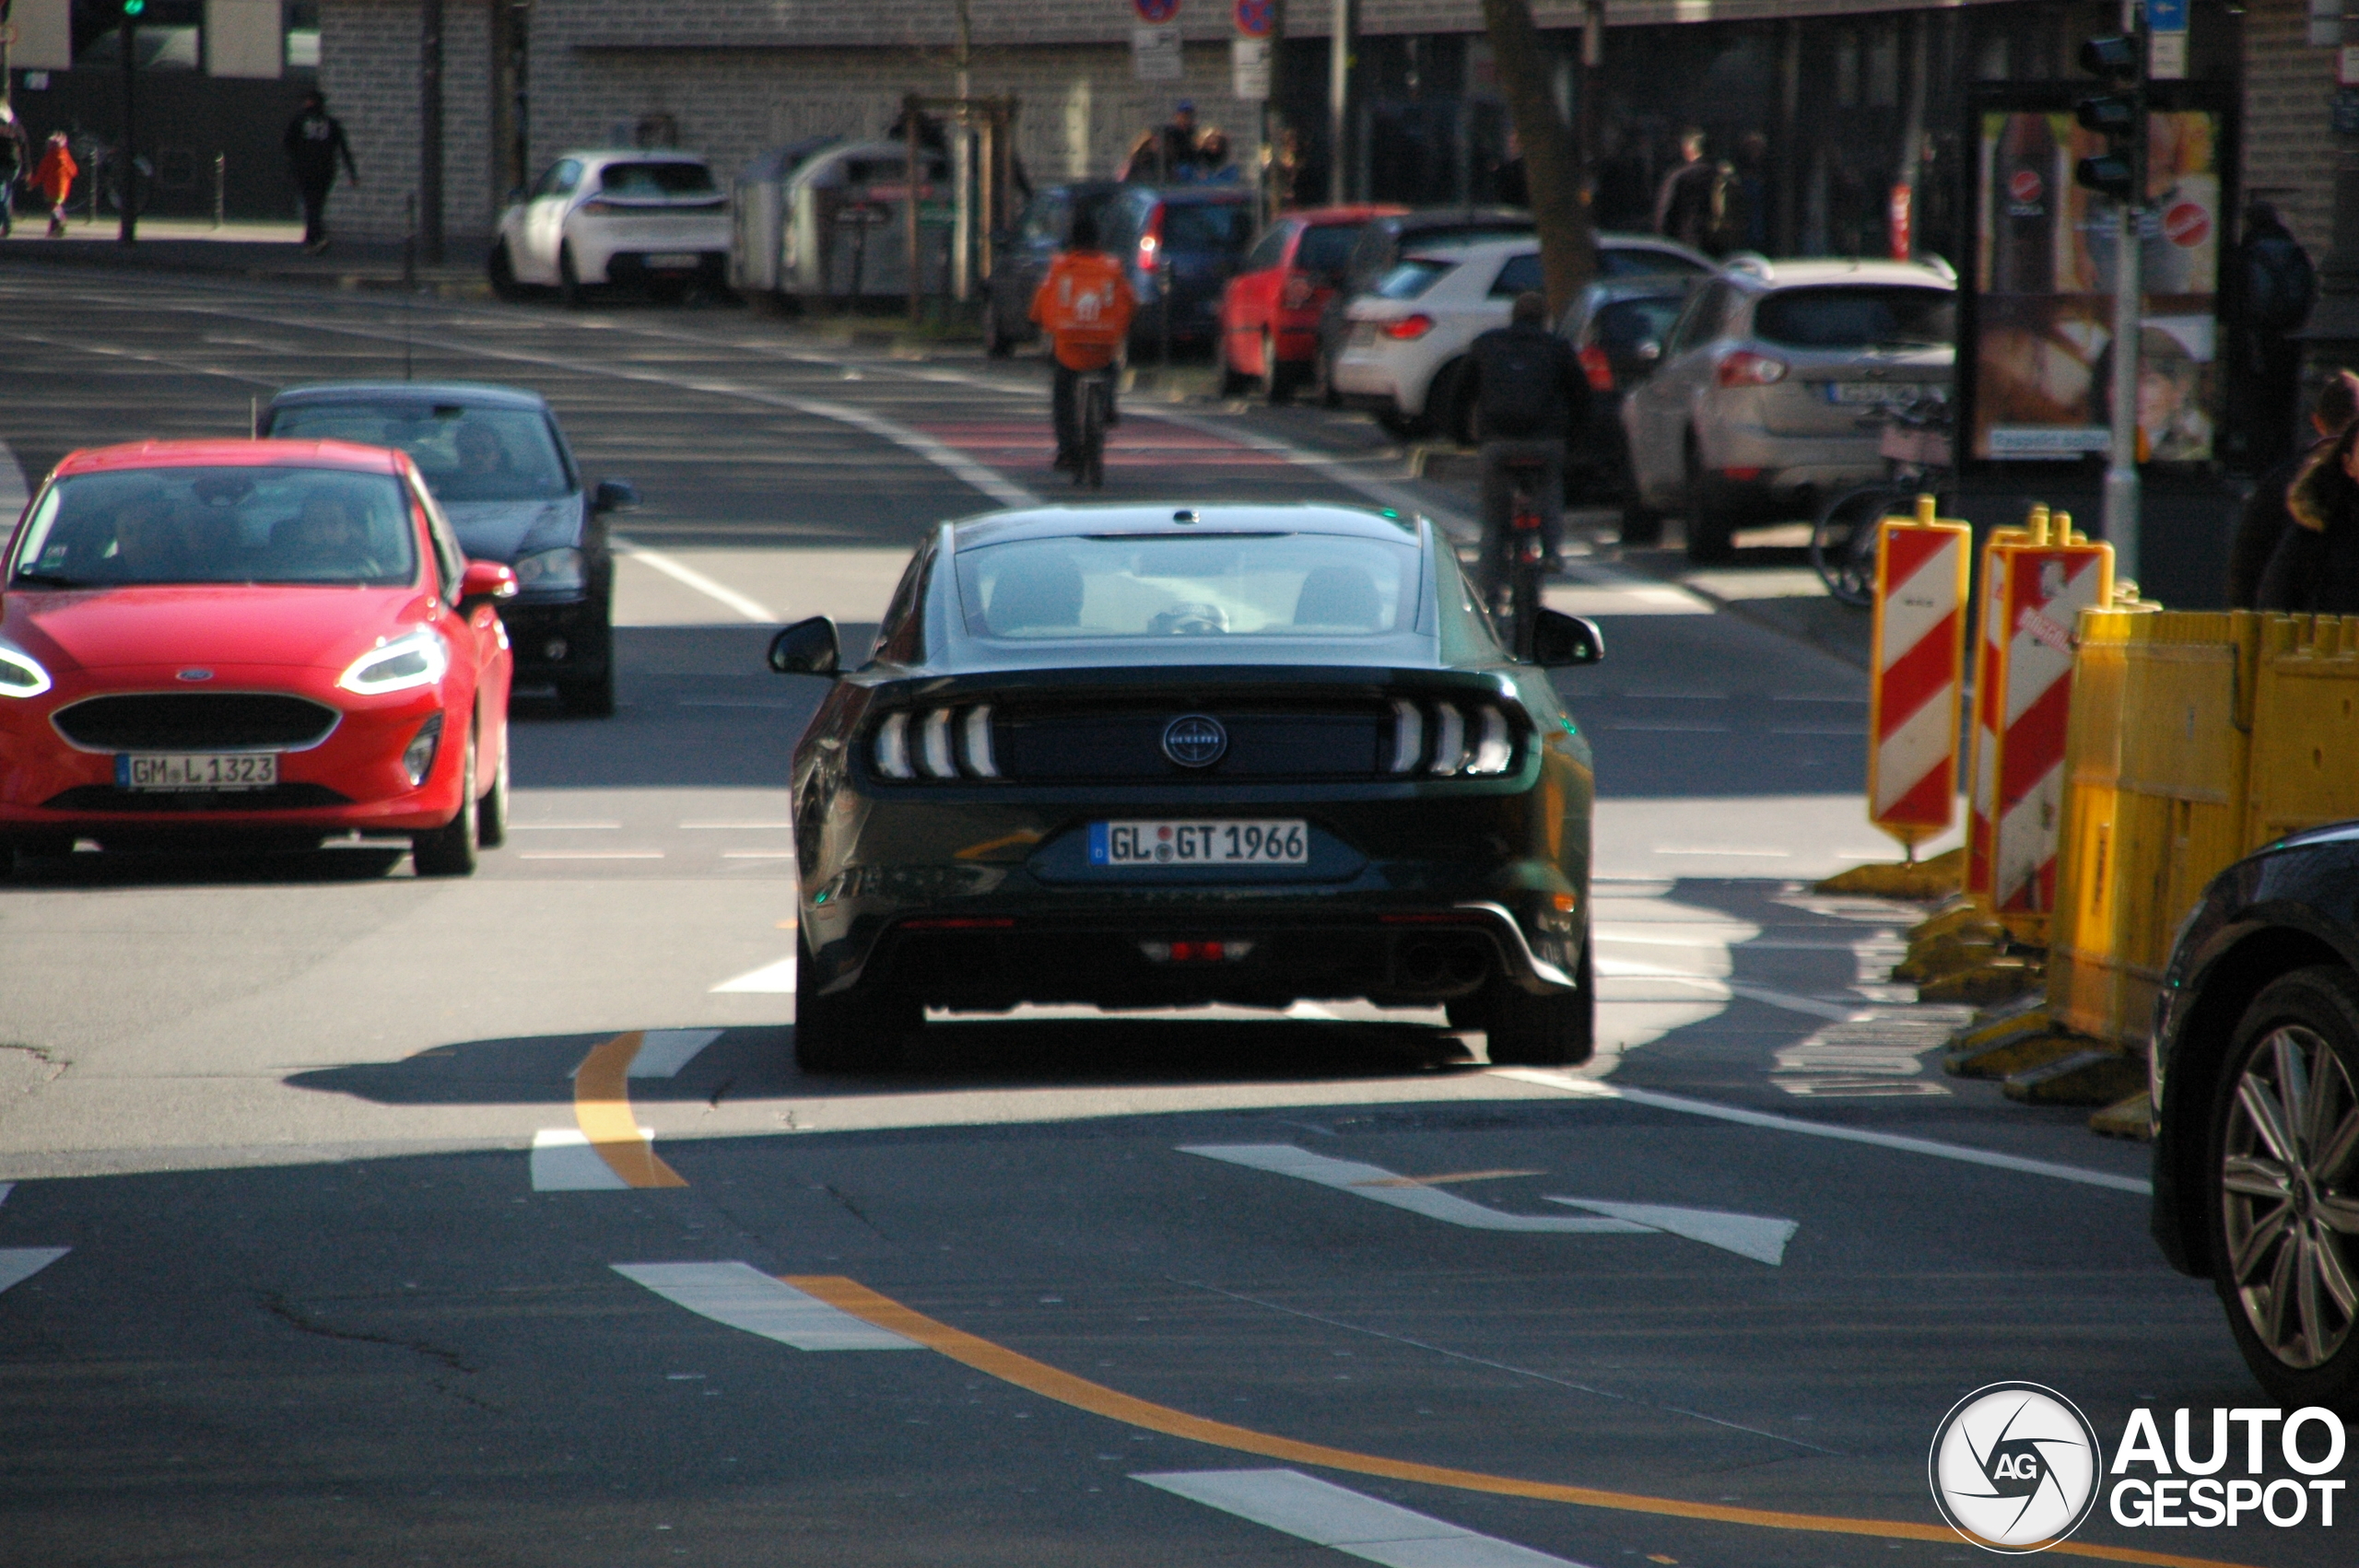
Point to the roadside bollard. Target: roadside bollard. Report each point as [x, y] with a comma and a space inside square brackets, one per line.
[1915, 682]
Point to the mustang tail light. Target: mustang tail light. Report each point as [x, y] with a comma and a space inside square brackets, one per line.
[1598, 367]
[943, 742]
[1408, 329]
[1746, 368]
[1446, 739]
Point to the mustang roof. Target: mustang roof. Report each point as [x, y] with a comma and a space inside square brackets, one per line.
[1049, 523]
[470, 394]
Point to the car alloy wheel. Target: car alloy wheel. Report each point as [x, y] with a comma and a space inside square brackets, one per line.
[451, 849]
[1711, 527]
[492, 812]
[2286, 1169]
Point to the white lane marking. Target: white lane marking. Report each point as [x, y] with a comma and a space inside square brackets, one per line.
[6, 1187]
[742, 1296]
[590, 855]
[662, 1052]
[18, 1264]
[1357, 1526]
[770, 978]
[1750, 854]
[564, 1162]
[757, 854]
[1835, 1012]
[1959, 1151]
[688, 576]
[1757, 1236]
[565, 827]
[1433, 1202]
[736, 826]
[13, 491]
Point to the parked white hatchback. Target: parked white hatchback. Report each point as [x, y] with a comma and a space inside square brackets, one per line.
[1405, 340]
[656, 220]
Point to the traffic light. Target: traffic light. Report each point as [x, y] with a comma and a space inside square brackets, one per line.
[133, 7]
[2117, 116]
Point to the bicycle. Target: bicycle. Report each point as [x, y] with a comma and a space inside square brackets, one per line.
[1914, 441]
[1094, 403]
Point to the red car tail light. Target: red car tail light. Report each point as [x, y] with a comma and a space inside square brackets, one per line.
[1408, 328]
[1151, 242]
[1599, 368]
[1746, 368]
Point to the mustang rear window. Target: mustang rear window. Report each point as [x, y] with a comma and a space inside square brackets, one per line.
[173, 526]
[1308, 585]
[466, 453]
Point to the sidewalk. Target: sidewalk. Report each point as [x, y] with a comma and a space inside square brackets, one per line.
[260, 252]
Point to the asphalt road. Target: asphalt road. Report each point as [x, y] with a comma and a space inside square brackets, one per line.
[308, 1256]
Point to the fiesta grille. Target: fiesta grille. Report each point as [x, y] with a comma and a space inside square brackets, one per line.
[196, 722]
[278, 798]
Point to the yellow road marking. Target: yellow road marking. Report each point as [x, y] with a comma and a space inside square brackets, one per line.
[1010, 1366]
[1446, 1180]
[602, 1105]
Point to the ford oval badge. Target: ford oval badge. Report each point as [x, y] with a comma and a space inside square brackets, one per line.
[1195, 740]
[196, 675]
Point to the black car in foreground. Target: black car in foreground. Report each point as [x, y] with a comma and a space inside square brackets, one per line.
[495, 459]
[1137, 757]
[2256, 1092]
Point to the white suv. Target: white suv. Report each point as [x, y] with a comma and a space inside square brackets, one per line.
[1754, 408]
[655, 219]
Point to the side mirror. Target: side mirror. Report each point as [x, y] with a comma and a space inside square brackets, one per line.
[613, 495]
[1559, 640]
[485, 580]
[806, 647]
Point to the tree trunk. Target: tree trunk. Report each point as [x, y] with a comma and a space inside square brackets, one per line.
[1552, 167]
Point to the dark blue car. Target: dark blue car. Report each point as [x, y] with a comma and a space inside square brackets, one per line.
[1187, 240]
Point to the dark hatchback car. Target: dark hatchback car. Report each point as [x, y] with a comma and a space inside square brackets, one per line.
[1617, 328]
[1130, 756]
[1021, 257]
[496, 460]
[1183, 241]
[2256, 1094]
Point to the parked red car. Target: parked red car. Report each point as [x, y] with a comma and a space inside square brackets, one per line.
[224, 643]
[1268, 315]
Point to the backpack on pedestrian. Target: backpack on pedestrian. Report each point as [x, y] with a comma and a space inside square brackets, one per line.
[2280, 283]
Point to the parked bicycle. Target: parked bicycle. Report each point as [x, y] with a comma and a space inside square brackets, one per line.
[1914, 440]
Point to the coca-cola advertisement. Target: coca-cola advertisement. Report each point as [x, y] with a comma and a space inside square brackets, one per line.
[2044, 274]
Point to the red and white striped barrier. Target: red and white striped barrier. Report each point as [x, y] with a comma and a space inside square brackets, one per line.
[1982, 742]
[2039, 588]
[1915, 684]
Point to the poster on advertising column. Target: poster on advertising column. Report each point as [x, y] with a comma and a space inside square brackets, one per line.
[2040, 348]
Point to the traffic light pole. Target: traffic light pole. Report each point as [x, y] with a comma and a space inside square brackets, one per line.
[2123, 489]
[126, 159]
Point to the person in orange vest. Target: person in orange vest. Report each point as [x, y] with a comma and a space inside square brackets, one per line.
[1085, 306]
[54, 180]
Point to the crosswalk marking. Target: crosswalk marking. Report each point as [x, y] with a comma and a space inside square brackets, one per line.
[18, 1264]
[742, 1296]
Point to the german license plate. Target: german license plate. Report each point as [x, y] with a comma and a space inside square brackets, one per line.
[225, 770]
[1286, 842]
[672, 261]
[1873, 391]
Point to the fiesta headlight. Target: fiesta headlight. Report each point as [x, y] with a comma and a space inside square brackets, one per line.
[546, 570]
[403, 665]
[20, 672]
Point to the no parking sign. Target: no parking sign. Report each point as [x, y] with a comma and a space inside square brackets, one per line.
[1155, 12]
[1255, 17]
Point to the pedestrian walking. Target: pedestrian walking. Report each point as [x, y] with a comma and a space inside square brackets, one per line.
[2314, 568]
[1691, 206]
[16, 161]
[314, 141]
[54, 180]
[2265, 519]
[2275, 287]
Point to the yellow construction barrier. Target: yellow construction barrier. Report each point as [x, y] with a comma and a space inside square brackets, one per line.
[2194, 738]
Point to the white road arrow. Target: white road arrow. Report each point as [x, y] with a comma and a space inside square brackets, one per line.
[1750, 1235]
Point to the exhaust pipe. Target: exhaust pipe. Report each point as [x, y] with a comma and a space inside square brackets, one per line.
[1422, 963]
[1468, 962]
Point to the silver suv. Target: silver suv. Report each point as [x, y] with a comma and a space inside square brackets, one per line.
[1754, 407]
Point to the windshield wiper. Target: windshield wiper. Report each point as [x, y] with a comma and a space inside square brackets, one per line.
[51, 579]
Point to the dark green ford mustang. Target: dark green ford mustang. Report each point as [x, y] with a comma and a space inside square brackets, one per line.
[1139, 757]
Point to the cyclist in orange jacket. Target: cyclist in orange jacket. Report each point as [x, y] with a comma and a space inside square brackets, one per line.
[1085, 306]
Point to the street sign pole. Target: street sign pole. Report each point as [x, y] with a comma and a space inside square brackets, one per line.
[2122, 488]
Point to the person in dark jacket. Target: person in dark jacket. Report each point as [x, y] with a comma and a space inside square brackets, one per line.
[1530, 394]
[314, 141]
[2265, 519]
[2314, 569]
[16, 162]
[2273, 288]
